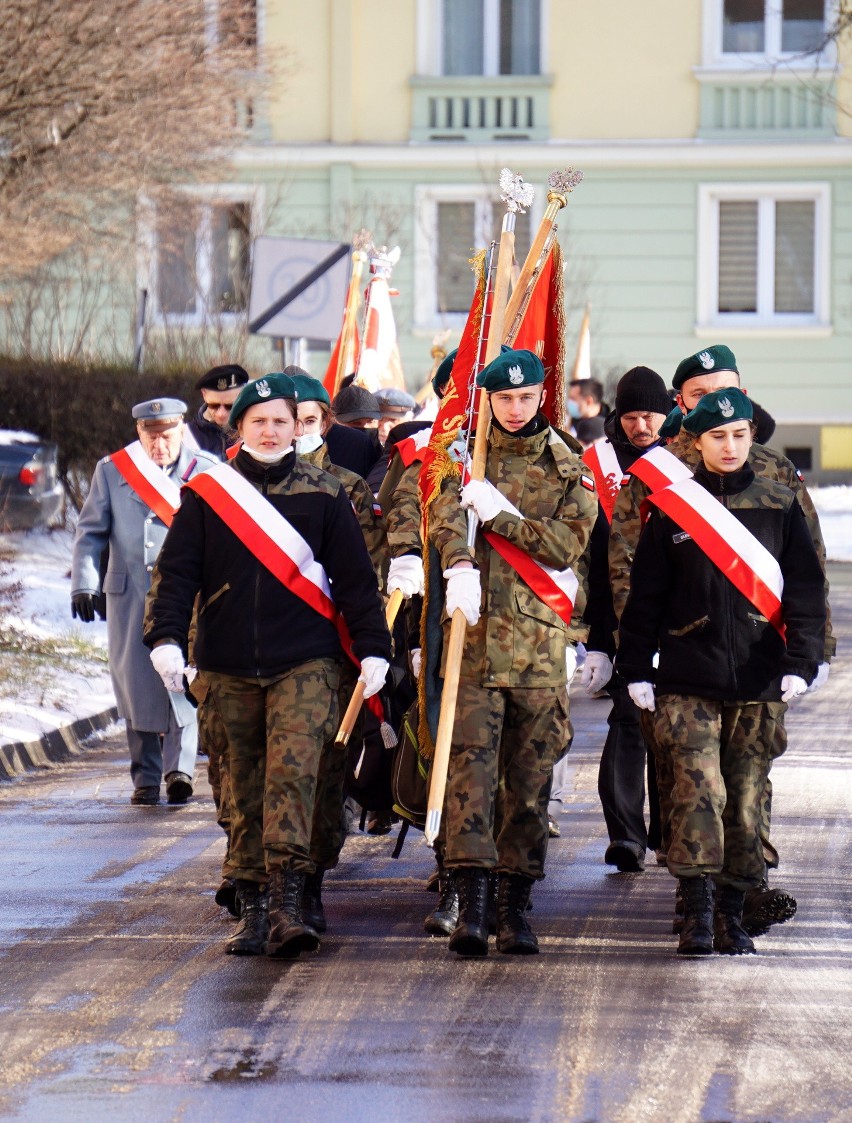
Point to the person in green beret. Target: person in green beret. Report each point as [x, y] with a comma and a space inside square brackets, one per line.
[264, 548]
[730, 658]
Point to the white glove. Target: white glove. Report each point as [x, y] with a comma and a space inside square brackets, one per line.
[406, 574]
[570, 662]
[642, 694]
[480, 495]
[169, 665]
[596, 673]
[792, 686]
[374, 671]
[416, 656]
[821, 678]
[464, 592]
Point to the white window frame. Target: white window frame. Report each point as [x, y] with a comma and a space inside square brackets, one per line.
[430, 36]
[714, 57]
[427, 315]
[204, 197]
[765, 320]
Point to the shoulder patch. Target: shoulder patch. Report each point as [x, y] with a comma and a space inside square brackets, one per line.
[587, 482]
[681, 537]
[377, 510]
[801, 477]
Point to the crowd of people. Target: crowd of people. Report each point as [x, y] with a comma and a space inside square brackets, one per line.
[247, 559]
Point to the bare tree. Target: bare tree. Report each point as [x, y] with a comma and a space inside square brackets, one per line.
[99, 100]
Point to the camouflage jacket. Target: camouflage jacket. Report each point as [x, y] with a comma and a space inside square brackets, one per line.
[400, 499]
[518, 640]
[627, 517]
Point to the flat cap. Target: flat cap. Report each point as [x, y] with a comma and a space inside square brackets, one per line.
[353, 402]
[265, 389]
[711, 360]
[159, 413]
[510, 370]
[227, 377]
[394, 401]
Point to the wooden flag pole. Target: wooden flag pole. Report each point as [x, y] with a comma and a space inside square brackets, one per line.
[346, 356]
[357, 700]
[517, 196]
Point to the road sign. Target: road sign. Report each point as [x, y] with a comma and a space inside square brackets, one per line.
[298, 287]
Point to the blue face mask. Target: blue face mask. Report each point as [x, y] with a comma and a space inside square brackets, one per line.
[573, 409]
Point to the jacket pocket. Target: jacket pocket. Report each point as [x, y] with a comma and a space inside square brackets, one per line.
[212, 599]
[695, 626]
[528, 604]
[115, 581]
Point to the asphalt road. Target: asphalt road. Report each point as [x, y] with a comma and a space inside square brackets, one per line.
[117, 1001]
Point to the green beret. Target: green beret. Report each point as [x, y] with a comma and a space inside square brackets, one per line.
[265, 389]
[510, 370]
[672, 424]
[722, 407]
[442, 375]
[309, 389]
[709, 361]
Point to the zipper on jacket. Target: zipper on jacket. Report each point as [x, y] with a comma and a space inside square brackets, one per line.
[264, 491]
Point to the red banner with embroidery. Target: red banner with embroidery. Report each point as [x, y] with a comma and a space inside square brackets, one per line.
[148, 480]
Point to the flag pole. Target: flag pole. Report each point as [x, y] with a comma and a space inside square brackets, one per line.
[346, 355]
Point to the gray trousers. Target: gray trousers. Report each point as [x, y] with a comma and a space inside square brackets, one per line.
[154, 755]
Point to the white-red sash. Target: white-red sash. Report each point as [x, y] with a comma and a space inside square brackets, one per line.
[659, 468]
[742, 558]
[148, 480]
[557, 588]
[412, 448]
[275, 543]
[601, 458]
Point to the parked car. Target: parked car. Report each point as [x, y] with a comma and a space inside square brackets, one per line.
[30, 493]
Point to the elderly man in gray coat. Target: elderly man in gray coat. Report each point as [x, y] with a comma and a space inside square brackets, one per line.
[131, 501]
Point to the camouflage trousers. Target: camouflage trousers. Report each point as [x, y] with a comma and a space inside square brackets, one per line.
[504, 740]
[275, 729]
[719, 755]
[328, 830]
[213, 741]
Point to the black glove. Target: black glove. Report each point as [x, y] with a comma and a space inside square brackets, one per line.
[83, 607]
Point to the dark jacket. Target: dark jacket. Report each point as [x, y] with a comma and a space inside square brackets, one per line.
[208, 436]
[355, 449]
[249, 623]
[713, 643]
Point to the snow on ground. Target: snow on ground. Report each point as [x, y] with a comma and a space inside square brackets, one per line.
[76, 684]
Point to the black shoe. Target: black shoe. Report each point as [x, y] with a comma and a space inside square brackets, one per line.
[313, 912]
[145, 797]
[289, 935]
[444, 917]
[729, 936]
[226, 896]
[628, 857]
[553, 830]
[379, 822]
[696, 937]
[514, 935]
[178, 787]
[764, 907]
[252, 935]
[470, 935]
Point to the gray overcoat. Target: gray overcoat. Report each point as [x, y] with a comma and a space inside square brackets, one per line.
[114, 514]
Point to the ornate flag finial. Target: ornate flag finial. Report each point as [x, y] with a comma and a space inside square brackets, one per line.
[362, 241]
[517, 194]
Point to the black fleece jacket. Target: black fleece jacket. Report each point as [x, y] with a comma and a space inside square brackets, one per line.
[713, 642]
[249, 623]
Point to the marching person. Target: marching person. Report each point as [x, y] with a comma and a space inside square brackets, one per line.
[209, 429]
[727, 586]
[536, 508]
[263, 540]
[131, 503]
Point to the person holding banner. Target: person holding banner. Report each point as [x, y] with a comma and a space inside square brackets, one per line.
[536, 508]
[727, 586]
[261, 541]
[131, 502]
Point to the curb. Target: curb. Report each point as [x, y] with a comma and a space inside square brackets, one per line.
[18, 757]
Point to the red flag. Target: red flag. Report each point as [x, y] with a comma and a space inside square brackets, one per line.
[330, 380]
[542, 330]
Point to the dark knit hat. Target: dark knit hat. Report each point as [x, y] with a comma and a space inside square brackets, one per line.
[265, 389]
[711, 360]
[308, 389]
[228, 377]
[722, 407]
[353, 402]
[641, 390]
[510, 370]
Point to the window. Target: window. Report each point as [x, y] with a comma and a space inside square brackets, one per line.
[453, 224]
[490, 37]
[741, 32]
[201, 258]
[763, 256]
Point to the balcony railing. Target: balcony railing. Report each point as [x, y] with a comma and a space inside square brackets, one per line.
[767, 107]
[479, 109]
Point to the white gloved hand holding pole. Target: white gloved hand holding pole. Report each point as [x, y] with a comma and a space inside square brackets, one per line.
[792, 686]
[642, 694]
[821, 678]
[416, 657]
[596, 673]
[483, 498]
[465, 592]
[170, 666]
[406, 574]
[374, 671]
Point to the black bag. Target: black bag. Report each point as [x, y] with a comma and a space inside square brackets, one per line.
[410, 774]
[368, 766]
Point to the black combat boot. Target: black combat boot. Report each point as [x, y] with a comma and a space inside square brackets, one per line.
[470, 935]
[696, 936]
[514, 935]
[251, 936]
[491, 911]
[313, 913]
[289, 935]
[729, 936]
[226, 896]
[445, 915]
[764, 907]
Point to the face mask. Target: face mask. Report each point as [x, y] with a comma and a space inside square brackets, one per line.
[309, 443]
[573, 409]
[268, 457]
